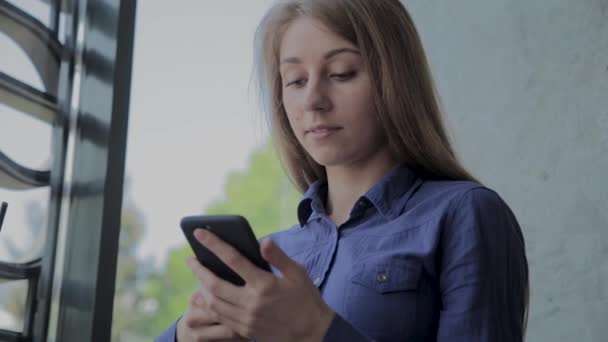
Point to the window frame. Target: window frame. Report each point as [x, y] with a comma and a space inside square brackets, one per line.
[86, 100]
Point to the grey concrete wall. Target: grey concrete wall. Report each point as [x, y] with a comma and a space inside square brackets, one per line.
[525, 89]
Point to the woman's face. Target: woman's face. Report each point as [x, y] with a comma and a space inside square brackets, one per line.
[327, 95]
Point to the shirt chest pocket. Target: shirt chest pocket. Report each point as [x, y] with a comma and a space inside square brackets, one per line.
[382, 296]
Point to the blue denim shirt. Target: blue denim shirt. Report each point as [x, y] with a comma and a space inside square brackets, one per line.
[418, 260]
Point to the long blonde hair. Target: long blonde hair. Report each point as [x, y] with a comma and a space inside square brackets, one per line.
[404, 94]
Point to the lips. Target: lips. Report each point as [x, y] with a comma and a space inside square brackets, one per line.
[322, 129]
[321, 132]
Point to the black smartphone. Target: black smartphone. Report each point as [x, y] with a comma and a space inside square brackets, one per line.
[234, 230]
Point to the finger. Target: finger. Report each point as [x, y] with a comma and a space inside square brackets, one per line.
[276, 257]
[197, 299]
[223, 313]
[201, 313]
[197, 317]
[221, 309]
[217, 332]
[230, 256]
[213, 284]
[236, 326]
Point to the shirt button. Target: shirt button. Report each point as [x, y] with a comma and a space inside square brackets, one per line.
[381, 277]
[317, 281]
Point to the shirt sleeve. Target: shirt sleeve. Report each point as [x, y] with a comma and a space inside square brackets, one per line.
[484, 272]
[169, 335]
[340, 330]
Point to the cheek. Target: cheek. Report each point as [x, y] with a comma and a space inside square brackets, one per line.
[292, 120]
[290, 106]
[360, 108]
[291, 111]
[368, 127]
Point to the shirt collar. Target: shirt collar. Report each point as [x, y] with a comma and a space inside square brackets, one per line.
[312, 201]
[389, 195]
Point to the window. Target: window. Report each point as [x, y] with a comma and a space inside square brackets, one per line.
[64, 114]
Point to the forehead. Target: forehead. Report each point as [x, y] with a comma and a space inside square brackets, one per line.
[307, 37]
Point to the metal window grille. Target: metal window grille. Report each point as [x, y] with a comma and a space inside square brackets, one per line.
[85, 99]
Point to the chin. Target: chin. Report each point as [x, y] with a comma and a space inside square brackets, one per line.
[330, 159]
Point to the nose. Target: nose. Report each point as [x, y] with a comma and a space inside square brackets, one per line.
[316, 97]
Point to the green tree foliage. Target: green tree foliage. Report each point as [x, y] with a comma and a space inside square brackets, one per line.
[129, 302]
[263, 194]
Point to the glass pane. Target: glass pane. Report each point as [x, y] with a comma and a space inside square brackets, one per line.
[25, 139]
[38, 9]
[12, 304]
[205, 156]
[24, 228]
[15, 63]
[61, 29]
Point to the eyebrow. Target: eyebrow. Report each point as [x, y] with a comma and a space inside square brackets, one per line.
[328, 55]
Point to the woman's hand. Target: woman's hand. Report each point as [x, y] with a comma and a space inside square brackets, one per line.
[197, 325]
[267, 308]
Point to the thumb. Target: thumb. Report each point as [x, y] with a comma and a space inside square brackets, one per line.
[277, 258]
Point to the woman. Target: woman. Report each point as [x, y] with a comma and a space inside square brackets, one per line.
[396, 241]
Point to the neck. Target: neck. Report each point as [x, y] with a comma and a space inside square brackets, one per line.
[347, 183]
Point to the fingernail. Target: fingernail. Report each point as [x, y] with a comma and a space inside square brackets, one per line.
[200, 301]
[201, 234]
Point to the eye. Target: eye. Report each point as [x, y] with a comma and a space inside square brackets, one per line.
[343, 76]
[297, 83]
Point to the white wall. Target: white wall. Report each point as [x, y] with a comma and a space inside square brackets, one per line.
[525, 88]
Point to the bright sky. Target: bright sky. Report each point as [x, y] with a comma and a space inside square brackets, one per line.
[193, 116]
